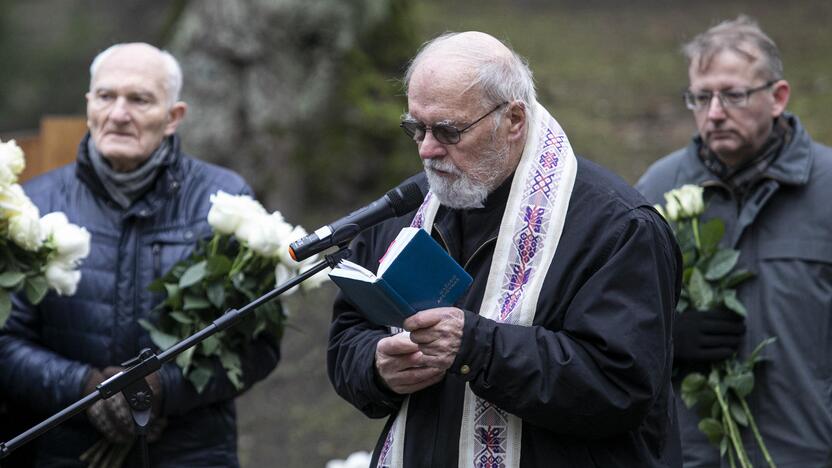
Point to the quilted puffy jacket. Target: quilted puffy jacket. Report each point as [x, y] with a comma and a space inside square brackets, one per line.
[47, 351]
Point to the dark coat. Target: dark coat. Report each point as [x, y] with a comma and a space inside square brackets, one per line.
[47, 351]
[590, 379]
[783, 231]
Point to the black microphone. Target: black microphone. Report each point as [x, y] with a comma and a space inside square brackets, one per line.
[397, 202]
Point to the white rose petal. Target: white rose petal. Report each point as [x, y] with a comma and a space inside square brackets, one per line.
[672, 206]
[265, 234]
[7, 177]
[13, 201]
[62, 278]
[694, 203]
[229, 211]
[72, 243]
[283, 274]
[24, 230]
[11, 157]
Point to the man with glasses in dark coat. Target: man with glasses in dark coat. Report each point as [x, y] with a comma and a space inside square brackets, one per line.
[559, 353]
[765, 177]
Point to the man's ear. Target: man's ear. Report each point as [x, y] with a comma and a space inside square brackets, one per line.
[518, 117]
[781, 93]
[175, 115]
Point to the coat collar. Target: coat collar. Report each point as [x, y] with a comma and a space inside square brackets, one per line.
[792, 166]
[168, 183]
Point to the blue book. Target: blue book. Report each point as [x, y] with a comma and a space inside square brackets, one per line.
[415, 274]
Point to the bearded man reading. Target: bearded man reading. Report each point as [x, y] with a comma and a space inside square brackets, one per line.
[559, 354]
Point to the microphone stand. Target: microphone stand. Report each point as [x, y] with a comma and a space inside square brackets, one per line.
[131, 383]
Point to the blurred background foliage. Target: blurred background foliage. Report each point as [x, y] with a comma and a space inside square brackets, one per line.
[302, 97]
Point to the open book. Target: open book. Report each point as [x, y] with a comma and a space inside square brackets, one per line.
[415, 274]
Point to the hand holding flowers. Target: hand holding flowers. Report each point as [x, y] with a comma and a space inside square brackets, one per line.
[709, 279]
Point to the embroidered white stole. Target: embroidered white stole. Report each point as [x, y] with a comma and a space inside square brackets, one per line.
[528, 238]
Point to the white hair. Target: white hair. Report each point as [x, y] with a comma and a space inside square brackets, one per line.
[501, 77]
[173, 72]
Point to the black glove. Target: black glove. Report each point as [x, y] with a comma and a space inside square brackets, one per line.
[706, 337]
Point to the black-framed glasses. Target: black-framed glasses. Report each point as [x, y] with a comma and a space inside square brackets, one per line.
[731, 98]
[444, 133]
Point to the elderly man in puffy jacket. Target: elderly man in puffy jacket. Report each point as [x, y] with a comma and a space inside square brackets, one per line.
[145, 204]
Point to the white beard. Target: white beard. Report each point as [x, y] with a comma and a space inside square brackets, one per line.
[467, 190]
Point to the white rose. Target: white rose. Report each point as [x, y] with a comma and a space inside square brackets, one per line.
[11, 157]
[684, 202]
[691, 200]
[72, 243]
[229, 211]
[7, 177]
[672, 207]
[14, 201]
[62, 278]
[283, 274]
[22, 216]
[265, 234]
[24, 230]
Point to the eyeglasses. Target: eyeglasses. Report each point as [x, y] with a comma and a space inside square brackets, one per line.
[728, 99]
[444, 133]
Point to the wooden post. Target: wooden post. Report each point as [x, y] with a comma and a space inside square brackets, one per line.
[54, 146]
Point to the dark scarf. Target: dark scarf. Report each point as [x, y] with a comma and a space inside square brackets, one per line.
[126, 187]
[743, 177]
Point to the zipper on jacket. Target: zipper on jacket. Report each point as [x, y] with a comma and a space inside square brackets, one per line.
[445, 245]
[157, 259]
[465, 267]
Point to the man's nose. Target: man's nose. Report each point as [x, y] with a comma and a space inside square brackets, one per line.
[716, 111]
[431, 148]
[120, 111]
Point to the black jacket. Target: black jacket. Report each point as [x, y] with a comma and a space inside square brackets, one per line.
[47, 351]
[590, 379]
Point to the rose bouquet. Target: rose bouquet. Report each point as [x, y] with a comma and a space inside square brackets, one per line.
[36, 254]
[246, 257]
[709, 279]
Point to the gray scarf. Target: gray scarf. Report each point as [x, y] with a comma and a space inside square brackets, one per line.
[126, 187]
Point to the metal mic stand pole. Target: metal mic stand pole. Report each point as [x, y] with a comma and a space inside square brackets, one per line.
[131, 380]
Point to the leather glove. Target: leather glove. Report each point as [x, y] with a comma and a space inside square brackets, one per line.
[707, 337]
[112, 417]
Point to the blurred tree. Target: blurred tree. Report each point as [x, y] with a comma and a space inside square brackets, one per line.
[298, 96]
[46, 47]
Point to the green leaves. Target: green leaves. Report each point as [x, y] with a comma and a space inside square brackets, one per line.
[11, 279]
[701, 293]
[36, 288]
[710, 234]
[713, 429]
[709, 279]
[721, 263]
[720, 401]
[193, 274]
[219, 275]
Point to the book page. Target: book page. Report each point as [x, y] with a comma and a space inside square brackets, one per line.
[399, 243]
[348, 269]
